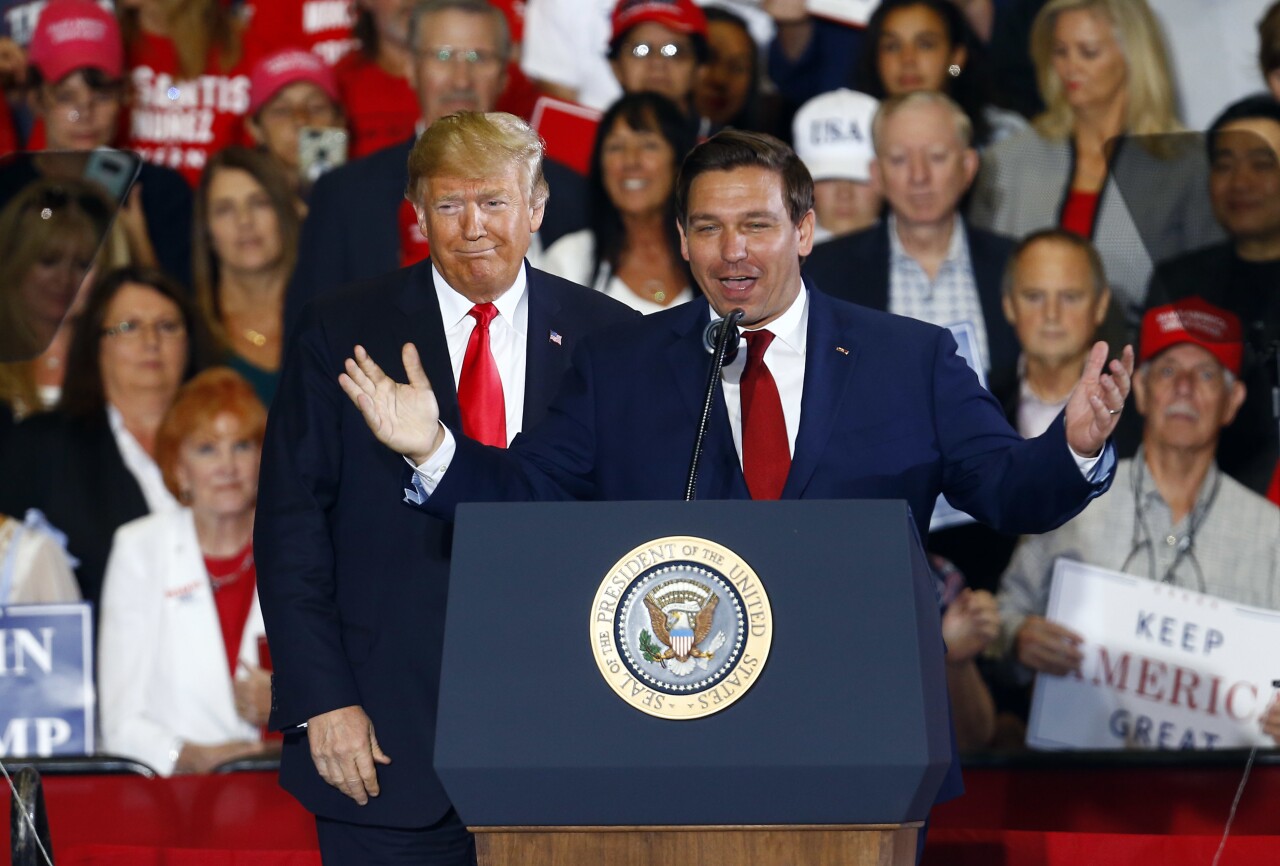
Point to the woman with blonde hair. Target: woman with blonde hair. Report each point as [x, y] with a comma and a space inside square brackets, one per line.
[181, 683]
[244, 249]
[1104, 160]
[49, 235]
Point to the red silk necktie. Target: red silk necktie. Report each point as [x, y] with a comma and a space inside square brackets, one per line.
[484, 412]
[766, 455]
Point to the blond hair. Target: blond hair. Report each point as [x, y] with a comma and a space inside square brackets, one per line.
[1150, 89]
[473, 144]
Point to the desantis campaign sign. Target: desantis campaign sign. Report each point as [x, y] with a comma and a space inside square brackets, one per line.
[46, 680]
[1164, 667]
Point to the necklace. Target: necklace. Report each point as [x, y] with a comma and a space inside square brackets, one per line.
[218, 581]
[258, 338]
[657, 289]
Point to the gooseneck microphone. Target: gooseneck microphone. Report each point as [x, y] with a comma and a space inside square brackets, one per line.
[720, 338]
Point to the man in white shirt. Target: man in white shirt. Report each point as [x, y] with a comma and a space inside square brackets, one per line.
[1055, 296]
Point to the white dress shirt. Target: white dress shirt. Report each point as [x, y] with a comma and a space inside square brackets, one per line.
[140, 465]
[785, 360]
[508, 339]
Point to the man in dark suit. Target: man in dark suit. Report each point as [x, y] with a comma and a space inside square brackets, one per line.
[358, 224]
[356, 624]
[831, 401]
[924, 261]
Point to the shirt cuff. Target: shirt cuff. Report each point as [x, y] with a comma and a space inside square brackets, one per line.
[427, 476]
[1097, 467]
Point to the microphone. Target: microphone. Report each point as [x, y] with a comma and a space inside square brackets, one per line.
[720, 338]
[711, 335]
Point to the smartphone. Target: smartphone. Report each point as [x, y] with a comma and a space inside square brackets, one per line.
[113, 170]
[320, 148]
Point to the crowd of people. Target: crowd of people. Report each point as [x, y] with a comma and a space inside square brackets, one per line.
[1031, 175]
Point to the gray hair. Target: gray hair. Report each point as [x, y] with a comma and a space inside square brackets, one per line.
[424, 8]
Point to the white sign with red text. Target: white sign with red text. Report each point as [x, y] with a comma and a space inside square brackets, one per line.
[1164, 667]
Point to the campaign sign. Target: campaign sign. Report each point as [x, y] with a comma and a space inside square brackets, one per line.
[855, 12]
[1164, 667]
[46, 680]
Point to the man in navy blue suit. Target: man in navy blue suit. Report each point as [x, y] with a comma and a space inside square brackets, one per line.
[873, 405]
[831, 400]
[356, 625]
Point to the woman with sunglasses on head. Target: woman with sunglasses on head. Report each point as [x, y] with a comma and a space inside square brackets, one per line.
[76, 90]
[89, 464]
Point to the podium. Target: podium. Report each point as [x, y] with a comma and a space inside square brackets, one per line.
[833, 753]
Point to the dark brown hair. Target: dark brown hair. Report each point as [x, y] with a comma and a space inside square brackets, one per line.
[734, 148]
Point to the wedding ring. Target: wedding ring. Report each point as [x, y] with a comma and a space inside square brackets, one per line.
[1113, 411]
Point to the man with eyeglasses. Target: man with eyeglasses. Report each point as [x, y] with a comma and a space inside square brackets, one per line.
[1171, 515]
[360, 224]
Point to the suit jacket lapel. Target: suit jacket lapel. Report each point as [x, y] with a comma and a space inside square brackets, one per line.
[720, 471]
[829, 362]
[425, 329]
[544, 358]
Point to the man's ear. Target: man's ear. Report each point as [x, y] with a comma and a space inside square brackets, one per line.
[1234, 401]
[684, 242]
[1006, 304]
[1139, 390]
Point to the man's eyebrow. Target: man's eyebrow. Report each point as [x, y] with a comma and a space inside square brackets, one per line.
[749, 215]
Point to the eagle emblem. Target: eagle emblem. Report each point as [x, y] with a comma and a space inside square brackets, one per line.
[681, 613]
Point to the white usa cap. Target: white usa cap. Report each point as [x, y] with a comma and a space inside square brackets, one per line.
[832, 135]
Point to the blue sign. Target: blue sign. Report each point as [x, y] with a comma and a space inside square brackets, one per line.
[46, 680]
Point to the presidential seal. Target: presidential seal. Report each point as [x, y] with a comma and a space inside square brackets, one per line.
[681, 627]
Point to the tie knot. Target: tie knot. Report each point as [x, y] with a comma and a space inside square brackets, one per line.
[483, 314]
[757, 344]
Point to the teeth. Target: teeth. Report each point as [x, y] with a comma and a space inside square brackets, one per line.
[634, 183]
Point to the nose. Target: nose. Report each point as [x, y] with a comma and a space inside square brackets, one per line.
[460, 74]
[472, 222]
[918, 168]
[1052, 309]
[733, 246]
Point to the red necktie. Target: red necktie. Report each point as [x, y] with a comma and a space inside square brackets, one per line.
[484, 412]
[766, 455]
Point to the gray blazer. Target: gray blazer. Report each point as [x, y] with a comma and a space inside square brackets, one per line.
[1152, 207]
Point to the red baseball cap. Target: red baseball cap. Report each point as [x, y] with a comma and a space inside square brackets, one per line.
[75, 34]
[277, 71]
[682, 16]
[1193, 320]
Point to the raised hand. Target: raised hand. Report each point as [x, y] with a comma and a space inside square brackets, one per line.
[1093, 410]
[404, 417]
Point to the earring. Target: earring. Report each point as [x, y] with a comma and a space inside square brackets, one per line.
[954, 69]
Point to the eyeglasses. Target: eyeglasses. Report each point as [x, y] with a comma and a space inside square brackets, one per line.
[650, 51]
[132, 330]
[476, 58]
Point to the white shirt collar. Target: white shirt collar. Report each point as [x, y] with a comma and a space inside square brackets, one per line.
[455, 306]
[957, 248]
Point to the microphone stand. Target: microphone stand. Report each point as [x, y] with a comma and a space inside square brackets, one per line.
[727, 326]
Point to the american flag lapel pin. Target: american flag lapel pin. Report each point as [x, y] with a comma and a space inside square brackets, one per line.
[554, 336]
[842, 350]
